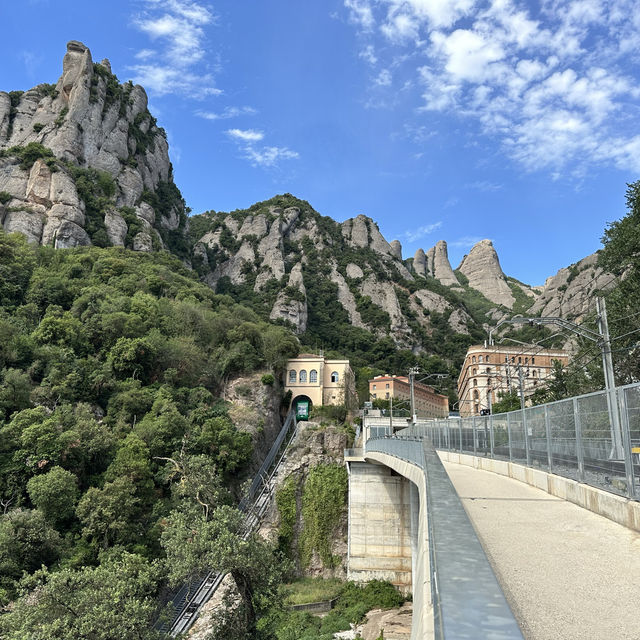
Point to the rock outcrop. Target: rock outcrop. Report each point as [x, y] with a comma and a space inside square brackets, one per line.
[569, 294]
[396, 249]
[482, 268]
[82, 162]
[441, 268]
[291, 303]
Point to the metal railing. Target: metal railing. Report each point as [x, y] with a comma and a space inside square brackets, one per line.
[467, 600]
[573, 438]
[188, 601]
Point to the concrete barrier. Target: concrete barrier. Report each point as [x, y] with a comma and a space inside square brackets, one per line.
[609, 505]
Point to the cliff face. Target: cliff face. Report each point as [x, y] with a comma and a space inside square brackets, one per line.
[285, 256]
[482, 268]
[83, 162]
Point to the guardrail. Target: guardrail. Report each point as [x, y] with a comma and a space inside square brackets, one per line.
[190, 598]
[576, 438]
[467, 600]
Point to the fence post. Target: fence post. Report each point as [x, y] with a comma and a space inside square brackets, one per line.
[547, 425]
[460, 433]
[579, 450]
[525, 431]
[626, 442]
[491, 434]
[473, 433]
[509, 435]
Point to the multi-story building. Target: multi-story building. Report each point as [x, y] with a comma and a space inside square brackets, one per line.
[428, 402]
[318, 381]
[489, 372]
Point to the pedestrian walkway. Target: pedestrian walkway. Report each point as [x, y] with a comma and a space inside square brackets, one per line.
[567, 573]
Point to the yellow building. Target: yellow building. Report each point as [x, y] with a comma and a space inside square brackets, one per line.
[320, 381]
[428, 403]
[488, 372]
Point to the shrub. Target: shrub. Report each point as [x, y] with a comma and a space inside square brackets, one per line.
[38, 127]
[5, 197]
[267, 379]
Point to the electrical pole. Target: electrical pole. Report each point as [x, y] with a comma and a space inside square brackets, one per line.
[601, 338]
[412, 374]
[524, 415]
[391, 415]
[609, 379]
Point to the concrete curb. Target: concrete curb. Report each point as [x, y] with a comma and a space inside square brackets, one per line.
[616, 508]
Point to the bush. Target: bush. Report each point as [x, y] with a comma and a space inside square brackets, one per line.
[5, 197]
[267, 379]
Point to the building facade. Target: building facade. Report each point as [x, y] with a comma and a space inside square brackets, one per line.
[321, 381]
[428, 402]
[489, 372]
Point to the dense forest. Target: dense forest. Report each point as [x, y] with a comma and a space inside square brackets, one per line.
[114, 442]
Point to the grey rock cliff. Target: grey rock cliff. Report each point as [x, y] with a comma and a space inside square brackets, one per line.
[569, 294]
[482, 267]
[88, 121]
[442, 270]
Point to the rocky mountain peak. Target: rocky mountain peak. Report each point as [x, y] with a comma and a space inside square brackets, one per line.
[482, 268]
[83, 162]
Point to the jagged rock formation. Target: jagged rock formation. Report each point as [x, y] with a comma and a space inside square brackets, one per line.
[282, 251]
[435, 264]
[482, 268]
[569, 294]
[396, 248]
[83, 162]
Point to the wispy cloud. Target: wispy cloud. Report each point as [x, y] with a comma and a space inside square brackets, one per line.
[415, 234]
[227, 113]
[246, 135]
[466, 242]
[554, 86]
[177, 63]
[484, 185]
[259, 156]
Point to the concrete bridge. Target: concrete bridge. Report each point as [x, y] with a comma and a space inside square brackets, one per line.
[443, 525]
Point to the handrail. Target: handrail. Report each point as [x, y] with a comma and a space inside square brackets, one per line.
[467, 600]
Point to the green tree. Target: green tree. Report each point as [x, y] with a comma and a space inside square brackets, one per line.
[55, 493]
[113, 600]
[27, 541]
[621, 256]
[15, 388]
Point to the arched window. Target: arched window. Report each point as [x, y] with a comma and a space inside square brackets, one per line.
[293, 376]
[475, 383]
[313, 376]
[335, 377]
[475, 394]
[473, 359]
[475, 370]
[480, 359]
[487, 360]
[534, 374]
[303, 375]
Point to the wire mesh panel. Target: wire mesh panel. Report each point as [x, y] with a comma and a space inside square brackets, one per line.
[632, 422]
[518, 444]
[500, 436]
[562, 430]
[537, 430]
[601, 466]
[483, 437]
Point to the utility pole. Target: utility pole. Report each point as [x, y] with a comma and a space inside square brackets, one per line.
[609, 379]
[391, 415]
[524, 414]
[601, 338]
[412, 374]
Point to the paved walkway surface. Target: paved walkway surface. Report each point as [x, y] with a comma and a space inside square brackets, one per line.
[567, 573]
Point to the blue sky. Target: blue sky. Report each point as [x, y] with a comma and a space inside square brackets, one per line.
[440, 119]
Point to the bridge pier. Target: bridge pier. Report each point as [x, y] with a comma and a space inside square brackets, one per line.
[383, 525]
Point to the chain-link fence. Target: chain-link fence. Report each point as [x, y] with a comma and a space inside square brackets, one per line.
[594, 438]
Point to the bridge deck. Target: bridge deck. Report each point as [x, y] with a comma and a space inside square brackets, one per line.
[567, 573]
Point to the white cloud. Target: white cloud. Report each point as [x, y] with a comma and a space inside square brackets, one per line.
[555, 87]
[484, 185]
[246, 135]
[269, 156]
[369, 54]
[384, 78]
[415, 234]
[227, 113]
[177, 63]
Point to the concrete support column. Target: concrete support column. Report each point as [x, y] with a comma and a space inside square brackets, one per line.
[414, 498]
